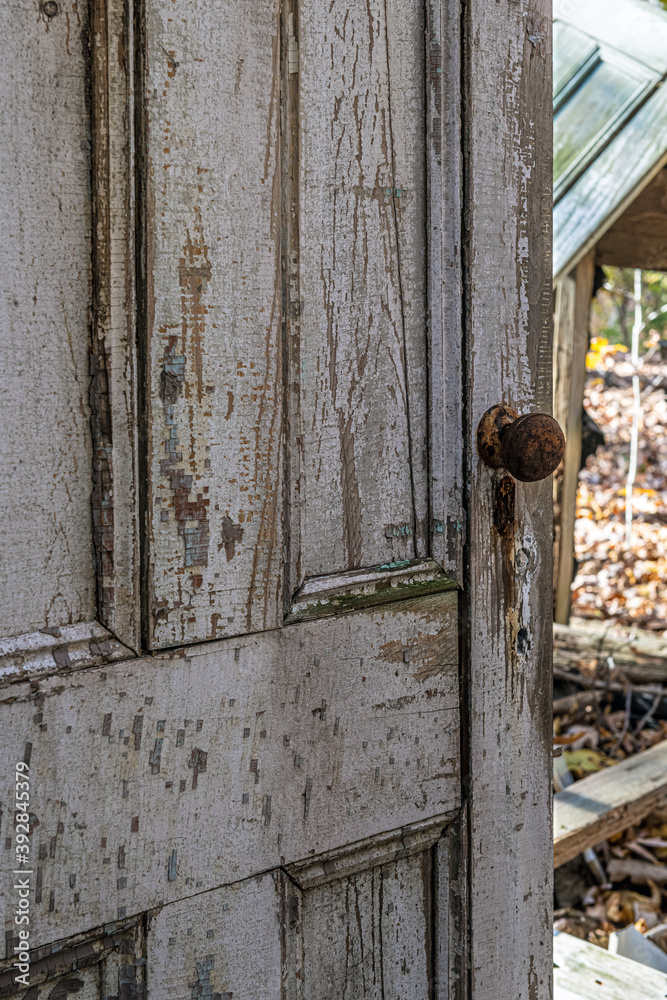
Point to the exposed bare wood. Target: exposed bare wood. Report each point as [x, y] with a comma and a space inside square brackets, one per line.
[597, 807]
[639, 237]
[570, 375]
[370, 853]
[370, 935]
[314, 736]
[509, 356]
[212, 313]
[583, 701]
[564, 302]
[610, 652]
[46, 572]
[636, 870]
[110, 961]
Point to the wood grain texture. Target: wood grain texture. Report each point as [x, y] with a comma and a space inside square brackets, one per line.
[359, 494]
[370, 935]
[201, 767]
[212, 317]
[564, 303]
[444, 296]
[57, 651]
[611, 652]
[47, 572]
[223, 944]
[509, 358]
[113, 361]
[107, 962]
[603, 804]
[639, 237]
[570, 376]
[587, 972]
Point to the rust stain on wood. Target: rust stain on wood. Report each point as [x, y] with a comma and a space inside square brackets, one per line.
[504, 507]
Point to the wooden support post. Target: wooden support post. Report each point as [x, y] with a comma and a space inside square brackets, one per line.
[573, 299]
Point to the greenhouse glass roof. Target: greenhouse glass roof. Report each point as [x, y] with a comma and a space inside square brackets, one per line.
[610, 115]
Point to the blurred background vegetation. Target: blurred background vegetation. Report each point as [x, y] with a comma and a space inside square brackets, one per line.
[613, 307]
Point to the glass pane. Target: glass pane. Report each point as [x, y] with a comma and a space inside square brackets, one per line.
[571, 49]
[589, 112]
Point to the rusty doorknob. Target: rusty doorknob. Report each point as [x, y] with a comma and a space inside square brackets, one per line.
[529, 447]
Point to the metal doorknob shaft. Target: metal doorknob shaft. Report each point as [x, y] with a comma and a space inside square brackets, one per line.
[529, 447]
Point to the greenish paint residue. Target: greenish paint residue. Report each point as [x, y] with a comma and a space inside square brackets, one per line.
[384, 593]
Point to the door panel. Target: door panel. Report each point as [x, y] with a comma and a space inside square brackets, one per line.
[154, 779]
[289, 286]
[47, 573]
[107, 963]
[225, 944]
[365, 935]
[358, 341]
[212, 314]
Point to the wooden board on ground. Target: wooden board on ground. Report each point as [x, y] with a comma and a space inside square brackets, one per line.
[587, 646]
[605, 803]
[584, 971]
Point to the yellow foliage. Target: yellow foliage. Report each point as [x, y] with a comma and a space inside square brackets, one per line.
[599, 349]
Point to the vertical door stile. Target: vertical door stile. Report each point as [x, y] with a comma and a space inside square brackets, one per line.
[113, 360]
[291, 299]
[508, 304]
[444, 302]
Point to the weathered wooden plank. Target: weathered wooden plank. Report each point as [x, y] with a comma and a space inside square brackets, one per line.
[224, 944]
[597, 807]
[618, 869]
[47, 572]
[60, 650]
[359, 494]
[637, 238]
[157, 778]
[508, 297]
[370, 935]
[564, 303]
[571, 377]
[444, 298]
[109, 962]
[611, 651]
[585, 972]
[113, 363]
[212, 316]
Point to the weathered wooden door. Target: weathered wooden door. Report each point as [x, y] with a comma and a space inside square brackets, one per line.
[276, 640]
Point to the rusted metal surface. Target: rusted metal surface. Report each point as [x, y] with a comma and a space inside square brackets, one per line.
[504, 508]
[532, 447]
[489, 433]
